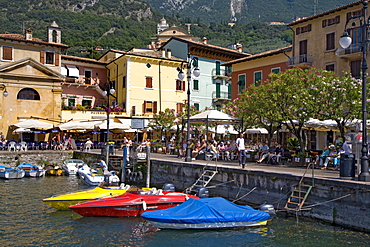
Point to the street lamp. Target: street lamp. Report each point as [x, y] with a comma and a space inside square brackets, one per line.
[345, 41]
[107, 92]
[191, 62]
[3, 87]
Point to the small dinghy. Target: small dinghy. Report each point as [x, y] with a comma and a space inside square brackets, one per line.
[31, 170]
[9, 173]
[207, 213]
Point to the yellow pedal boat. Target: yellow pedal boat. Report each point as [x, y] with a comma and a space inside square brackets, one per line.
[62, 202]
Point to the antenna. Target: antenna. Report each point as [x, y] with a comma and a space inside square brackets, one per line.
[315, 3]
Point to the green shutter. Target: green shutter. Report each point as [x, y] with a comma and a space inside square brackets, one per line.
[195, 85]
[218, 67]
[241, 83]
[218, 90]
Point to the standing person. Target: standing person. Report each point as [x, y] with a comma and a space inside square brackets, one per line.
[103, 166]
[241, 150]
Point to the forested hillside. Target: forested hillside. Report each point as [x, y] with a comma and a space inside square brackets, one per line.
[123, 24]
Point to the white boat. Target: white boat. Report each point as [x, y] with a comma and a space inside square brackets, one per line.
[9, 173]
[92, 177]
[71, 166]
[31, 170]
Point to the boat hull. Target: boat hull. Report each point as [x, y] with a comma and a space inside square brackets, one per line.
[220, 225]
[96, 179]
[34, 174]
[63, 202]
[11, 174]
[54, 172]
[130, 204]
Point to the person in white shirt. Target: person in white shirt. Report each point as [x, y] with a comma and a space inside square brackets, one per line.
[240, 144]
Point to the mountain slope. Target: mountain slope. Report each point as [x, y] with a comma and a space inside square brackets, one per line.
[243, 11]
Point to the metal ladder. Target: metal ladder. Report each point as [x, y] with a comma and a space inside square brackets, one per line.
[300, 193]
[202, 181]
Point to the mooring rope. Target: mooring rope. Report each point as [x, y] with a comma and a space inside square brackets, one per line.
[245, 194]
[335, 199]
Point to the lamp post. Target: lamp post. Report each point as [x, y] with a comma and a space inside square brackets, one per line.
[345, 41]
[191, 62]
[107, 92]
[3, 87]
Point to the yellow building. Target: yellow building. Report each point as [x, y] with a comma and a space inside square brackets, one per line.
[146, 82]
[30, 74]
[316, 40]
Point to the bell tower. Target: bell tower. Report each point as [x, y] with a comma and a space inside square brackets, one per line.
[54, 33]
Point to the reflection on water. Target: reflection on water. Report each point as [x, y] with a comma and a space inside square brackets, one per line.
[27, 221]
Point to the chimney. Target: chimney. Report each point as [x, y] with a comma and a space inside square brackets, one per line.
[204, 39]
[169, 53]
[239, 47]
[163, 52]
[28, 34]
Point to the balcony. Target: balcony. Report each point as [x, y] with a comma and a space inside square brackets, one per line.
[223, 74]
[221, 96]
[303, 61]
[352, 52]
[94, 81]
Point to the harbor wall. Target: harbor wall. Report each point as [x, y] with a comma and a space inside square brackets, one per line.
[339, 202]
[34, 157]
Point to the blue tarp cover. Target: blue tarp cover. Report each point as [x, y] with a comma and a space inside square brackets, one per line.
[20, 166]
[206, 210]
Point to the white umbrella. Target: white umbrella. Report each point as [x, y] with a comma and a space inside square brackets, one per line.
[213, 116]
[256, 131]
[223, 129]
[33, 124]
[21, 130]
[76, 125]
[112, 125]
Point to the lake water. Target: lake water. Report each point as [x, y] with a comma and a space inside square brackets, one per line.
[27, 221]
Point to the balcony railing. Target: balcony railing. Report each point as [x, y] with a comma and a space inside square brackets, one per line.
[221, 73]
[352, 50]
[221, 95]
[301, 59]
[85, 80]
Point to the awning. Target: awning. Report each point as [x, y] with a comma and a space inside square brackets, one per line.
[112, 125]
[76, 125]
[73, 71]
[63, 71]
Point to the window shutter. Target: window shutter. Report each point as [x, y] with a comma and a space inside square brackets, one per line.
[309, 27]
[324, 23]
[155, 107]
[57, 59]
[7, 53]
[144, 110]
[298, 30]
[183, 85]
[349, 14]
[42, 57]
[337, 19]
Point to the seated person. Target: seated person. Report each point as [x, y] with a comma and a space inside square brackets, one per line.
[199, 148]
[332, 155]
[321, 157]
[221, 148]
[279, 152]
[170, 147]
[213, 150]
[271, 151]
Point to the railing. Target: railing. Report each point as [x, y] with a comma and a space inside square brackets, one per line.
[352, 49]
[221, 95]
[305, 58]
[221, 73]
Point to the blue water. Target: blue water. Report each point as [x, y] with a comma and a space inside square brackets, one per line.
[27, 221]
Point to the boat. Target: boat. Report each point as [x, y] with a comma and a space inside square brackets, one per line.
[70, 166]
[9, 173]
[52, 170]
[131, 203]
[207, 213]
[62, 202]
[93, 177]
[31, 170]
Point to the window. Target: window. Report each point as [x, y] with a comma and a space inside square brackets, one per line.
[357, 13]
[218, 68]
[304, 29]
[331, 21]
[303, 51]
[149, 82]
[241, 82]
[7, 53]
[124, 82]
[196, 105]
[330, 67]
[49, 58]
[28, 94]
[180, 85]
[150, 106]
[86, 101]
[330, 41]
[257, 78]
[275, 70]
[71, 101]
[87, 76]
[179, 107]
[356, 68]
[195, 85]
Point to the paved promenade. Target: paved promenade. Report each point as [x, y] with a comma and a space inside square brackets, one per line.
[329, 174]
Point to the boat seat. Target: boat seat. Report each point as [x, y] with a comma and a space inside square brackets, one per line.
[153, 191]
[160, 192]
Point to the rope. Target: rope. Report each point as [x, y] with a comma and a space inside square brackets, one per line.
[245, 195]
[317, 204]
[214, 186]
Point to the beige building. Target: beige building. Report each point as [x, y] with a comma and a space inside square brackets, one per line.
[30, 74]
[316, 40]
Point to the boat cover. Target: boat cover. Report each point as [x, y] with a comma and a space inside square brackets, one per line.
[206, 210]
[20, 166]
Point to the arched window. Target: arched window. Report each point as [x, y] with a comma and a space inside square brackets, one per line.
[28, 94]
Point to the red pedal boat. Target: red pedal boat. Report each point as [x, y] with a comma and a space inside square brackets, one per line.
[132, 203]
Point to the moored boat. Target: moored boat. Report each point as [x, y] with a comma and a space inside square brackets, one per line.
[71, 166]
[92, 177]
[62, 202]
[10, 173]
[31, 170]
[131, 203]
[207, 213]
[52, 170]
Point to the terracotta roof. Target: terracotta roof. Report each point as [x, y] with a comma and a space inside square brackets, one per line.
[259, 55]
[20, 37]
[325, 13]
[208, 46]
[82, 59]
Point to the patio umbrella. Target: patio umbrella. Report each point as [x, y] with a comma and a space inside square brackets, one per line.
[39, 132]
[33, 124]
[112, 125]
[21, 130]
[76, 125]
[256, 131]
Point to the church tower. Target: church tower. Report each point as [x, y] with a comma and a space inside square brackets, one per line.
[54, 33]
